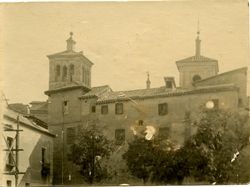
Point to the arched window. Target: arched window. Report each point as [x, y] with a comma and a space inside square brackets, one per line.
[86, 76]
[58, 72]
[196, 78]
[89, 78]
[83, 74]
[65, 73]
[71, 69]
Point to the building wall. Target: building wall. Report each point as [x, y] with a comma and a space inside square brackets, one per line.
[189, 69]
[32, 142]
[58, 121]
[238, 77]
[56, 102]
[147, 110]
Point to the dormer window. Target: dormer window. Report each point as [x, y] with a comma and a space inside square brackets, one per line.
[169, 84]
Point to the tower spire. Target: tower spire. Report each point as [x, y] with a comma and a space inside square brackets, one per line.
[148, 81]
[70, 43]
[198, 42]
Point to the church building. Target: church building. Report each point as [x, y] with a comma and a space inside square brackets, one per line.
[72, 101]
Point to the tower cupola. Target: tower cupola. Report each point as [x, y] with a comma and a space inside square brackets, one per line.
[198, 45]
[70, 43]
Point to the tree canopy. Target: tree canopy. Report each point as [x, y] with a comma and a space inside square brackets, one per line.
[91, 146]
[214, 154]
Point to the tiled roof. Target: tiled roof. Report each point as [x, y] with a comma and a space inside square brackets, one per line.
[68, 86]
[39, 105]
[19, 107]
[66, 53]
[69, 54]
[160, 92]
[95, 92]
[12, 115]
[130, 94]
[221, 74]
[197, 58]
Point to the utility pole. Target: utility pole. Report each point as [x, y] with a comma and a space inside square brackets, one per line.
[9, 152]
[17, 152]
[93, 164]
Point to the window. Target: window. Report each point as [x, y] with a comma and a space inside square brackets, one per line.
[163, 109]
[169, 84]
[65, 73]
[10, 154]
[140, 122]
[164, 133]
[58, 72]
[43, 156]
[196, 78]
[8, 183]
[71, 69]
[27, 184]
[70, 135]
[83, 74]
[119, 136]
[87, 77]
[216, 103]
[119, 108]
[93, 109]
[65, 107]
[104, 110]
[240, 102]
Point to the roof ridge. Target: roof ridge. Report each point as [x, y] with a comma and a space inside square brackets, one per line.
[138, 89]
[221, 74]
[196, 58]
[177, 93]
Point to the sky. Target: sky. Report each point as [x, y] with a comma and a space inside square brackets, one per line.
[124, 40]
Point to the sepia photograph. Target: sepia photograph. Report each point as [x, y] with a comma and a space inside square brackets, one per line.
[115, 93]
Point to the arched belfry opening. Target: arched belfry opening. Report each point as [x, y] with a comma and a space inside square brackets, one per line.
[196, 78]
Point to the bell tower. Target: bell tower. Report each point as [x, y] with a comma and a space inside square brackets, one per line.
[69, 66]
[196, 67]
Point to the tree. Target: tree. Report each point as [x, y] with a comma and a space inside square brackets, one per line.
[145, 153]
[211, 154]
[215, 154]
[139, 157]
[91, 146]
[169, 166]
